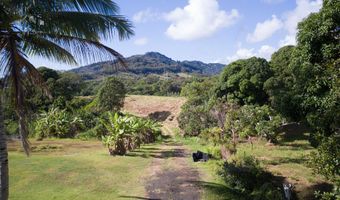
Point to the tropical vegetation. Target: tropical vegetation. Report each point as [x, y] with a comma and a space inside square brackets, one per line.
[59, 30]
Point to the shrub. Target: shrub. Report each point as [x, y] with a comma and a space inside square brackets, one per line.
[11, 127]
[126, 133]
[193, 120]
[215, 152]
[89, 134]
[244, 174]
[57, 123]
[267, 192]
[326, 159]
[260, 121]
[212, 135]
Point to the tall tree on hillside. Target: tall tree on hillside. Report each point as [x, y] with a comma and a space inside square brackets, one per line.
[60, 30]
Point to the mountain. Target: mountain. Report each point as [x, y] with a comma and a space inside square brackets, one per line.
[149, 63]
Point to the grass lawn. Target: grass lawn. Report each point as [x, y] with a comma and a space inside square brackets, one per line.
[73, 169]
[286, 160]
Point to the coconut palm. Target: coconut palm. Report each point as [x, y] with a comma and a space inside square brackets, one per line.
[67, 31]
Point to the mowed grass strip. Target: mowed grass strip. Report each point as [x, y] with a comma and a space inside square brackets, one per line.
[79, 170]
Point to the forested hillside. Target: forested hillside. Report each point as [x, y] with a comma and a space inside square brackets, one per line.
[149, 63]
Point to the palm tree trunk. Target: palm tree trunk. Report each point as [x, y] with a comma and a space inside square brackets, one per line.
[3, 158]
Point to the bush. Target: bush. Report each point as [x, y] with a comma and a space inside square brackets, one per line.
[87, 135]
[260, 121]
[215, 152]
[11, 127]
[125, 133]
[244, 174]
[326, 161]
[57, 123]
[212, 135]
[193, 120]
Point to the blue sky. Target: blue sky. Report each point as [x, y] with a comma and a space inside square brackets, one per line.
[208, 30]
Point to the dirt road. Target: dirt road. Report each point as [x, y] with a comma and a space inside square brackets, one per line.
[170, 175]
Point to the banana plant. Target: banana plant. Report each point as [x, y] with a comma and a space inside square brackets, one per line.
[126, 133]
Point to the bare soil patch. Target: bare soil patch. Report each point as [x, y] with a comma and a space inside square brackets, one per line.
[171, 177]
[163, 109]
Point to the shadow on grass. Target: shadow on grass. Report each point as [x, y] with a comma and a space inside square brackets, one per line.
[280, 161]
[136, 197]
[308, 191]
[294, 131]
[157, 153]
[221, 191]
[159, 116]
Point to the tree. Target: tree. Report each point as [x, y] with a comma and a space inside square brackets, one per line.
[279, 87]
[68, 85]
[315, 70]
[242, 81]
[195, 115]
[60, 30]
[111, 95]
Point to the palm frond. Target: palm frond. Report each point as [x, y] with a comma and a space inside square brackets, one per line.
[106, 7]
[87, 25]
[84, 50]
[39, 46]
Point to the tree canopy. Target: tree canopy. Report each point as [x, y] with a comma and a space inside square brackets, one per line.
[242, 81]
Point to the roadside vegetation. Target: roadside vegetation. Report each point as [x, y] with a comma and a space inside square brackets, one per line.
[254, 100]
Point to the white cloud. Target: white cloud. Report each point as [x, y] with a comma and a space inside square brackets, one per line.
[292, 18]
[146, 15]
[199, 19]
[241, 53]
[141, 41]
[265, 29]
[264, 51]
[288, 40]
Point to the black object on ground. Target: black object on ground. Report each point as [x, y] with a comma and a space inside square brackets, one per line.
[200, 156]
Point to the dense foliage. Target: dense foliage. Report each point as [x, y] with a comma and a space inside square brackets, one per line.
[111, 95]
[245, 175]
[242, 81]
[126, 133]
[195, 115]
[57, 123]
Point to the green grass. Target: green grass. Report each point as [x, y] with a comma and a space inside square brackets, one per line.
[80, 170]
[213, 186]
[287, 159]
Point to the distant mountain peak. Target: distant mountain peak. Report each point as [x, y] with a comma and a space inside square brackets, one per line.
[156, 55]
[149, 63]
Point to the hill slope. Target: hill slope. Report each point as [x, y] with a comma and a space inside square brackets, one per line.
[163, 109]
[149, 63]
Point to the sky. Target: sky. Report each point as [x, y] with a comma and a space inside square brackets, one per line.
[212, 31]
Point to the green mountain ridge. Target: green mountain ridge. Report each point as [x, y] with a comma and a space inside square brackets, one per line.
[149, 63]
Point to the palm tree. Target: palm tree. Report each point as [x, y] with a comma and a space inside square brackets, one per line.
[67, 31]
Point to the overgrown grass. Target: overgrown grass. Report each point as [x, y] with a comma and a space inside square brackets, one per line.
[286, 160]
[213, 186]
[76, 170]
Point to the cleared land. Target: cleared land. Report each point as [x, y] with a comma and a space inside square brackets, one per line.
[74, 169]
[162, 109]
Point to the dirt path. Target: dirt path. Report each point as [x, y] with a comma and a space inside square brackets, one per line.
[170, 176]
